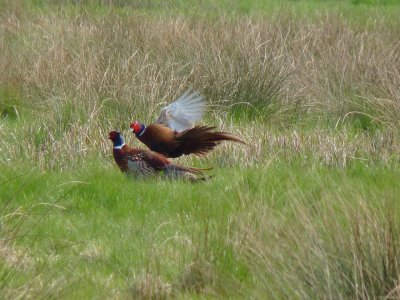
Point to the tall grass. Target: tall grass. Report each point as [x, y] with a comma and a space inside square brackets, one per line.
[71, 75]
[307, 209]
[333, 248]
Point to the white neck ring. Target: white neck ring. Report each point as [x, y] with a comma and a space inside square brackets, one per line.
[119, 147]
[144, 129]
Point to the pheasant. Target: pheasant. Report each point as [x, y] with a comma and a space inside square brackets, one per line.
[144, 163]
[174, 134]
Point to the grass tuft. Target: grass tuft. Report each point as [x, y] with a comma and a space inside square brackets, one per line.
[148, 286]
[197, 277]
[307, 209]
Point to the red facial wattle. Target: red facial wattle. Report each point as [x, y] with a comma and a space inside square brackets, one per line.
[136, 127]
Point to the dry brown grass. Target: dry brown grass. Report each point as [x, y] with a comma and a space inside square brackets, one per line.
[149, 286]
[196, 278]
[68, 78]
[334, 248]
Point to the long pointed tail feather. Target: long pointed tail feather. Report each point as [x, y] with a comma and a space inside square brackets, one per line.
[188, 173]
[202, 139]
[180, 168]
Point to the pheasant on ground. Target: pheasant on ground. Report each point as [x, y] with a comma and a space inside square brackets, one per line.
[144, 163]
[174, 134]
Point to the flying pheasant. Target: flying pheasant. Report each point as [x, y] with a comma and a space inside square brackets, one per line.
[146, 163]
[174, 133]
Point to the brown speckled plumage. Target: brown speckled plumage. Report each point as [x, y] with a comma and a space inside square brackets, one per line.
[146, 163]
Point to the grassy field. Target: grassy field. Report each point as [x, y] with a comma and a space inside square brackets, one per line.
[309, 209]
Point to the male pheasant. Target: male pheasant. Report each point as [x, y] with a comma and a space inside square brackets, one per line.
[174, 134]
[144, 163]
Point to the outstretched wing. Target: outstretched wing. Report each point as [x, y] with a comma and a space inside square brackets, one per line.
[183, 112]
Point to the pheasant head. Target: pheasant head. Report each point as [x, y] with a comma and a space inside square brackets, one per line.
[137, 128]
[117, 139]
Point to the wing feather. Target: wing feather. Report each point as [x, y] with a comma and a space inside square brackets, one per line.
[183, 112]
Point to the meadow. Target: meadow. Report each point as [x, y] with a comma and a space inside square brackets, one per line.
[308, 209]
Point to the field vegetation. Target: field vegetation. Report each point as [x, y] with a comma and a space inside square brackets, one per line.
[308, 209]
